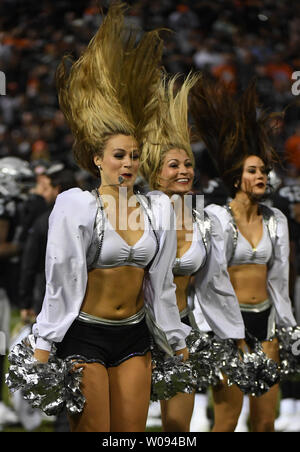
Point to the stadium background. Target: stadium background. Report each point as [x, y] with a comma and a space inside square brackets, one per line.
[232, 40]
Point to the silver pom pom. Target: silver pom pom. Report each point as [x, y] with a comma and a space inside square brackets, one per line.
[202, 369]
[204, 359]
[169, 376]
[51, 386]
[289, 351]
[210, 357]
[254, 373]
[260, 373]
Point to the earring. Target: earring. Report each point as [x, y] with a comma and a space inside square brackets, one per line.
[99, 167]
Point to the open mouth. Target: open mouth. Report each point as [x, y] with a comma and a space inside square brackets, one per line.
[260, 185]
[126, 175]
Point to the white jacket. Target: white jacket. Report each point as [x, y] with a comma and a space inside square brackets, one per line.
[71, 227]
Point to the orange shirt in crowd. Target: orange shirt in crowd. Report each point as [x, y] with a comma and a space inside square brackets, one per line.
[292, 150]
[226, 73]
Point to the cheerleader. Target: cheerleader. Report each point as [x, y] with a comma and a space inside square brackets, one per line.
[236, 133]
[107, 283]
[167, 163]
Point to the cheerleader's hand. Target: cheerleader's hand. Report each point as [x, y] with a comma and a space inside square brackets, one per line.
[28, 315]
[184, 352]
[241, 345]
[41, 356]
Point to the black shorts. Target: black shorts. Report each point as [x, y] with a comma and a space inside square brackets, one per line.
[186, 320]
[105, 344]
[256, 323]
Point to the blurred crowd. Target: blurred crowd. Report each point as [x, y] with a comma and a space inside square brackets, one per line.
[232, 40]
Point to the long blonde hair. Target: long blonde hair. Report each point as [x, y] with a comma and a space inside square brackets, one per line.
[169, 128]
[111, 89]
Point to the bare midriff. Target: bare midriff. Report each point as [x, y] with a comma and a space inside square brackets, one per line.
[182, 283]
[114, 293]
[249, 282]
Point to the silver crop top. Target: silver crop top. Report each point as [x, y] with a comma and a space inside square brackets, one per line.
[245, 254]
[193, 258]
[276, 238]
[115, 251]
[71, 251]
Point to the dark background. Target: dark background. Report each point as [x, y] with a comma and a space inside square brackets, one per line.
[232, 40]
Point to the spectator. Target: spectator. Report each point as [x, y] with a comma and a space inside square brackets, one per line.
[227, 72]
[32, 279]
[233, 40]
[292, 148]
[11, 200]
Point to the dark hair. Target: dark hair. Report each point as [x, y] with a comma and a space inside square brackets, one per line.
[232, 128]
[233, 179]
[63, 179]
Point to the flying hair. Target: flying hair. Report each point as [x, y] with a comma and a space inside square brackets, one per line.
[111, 89]
[169, 129]
[232, 128]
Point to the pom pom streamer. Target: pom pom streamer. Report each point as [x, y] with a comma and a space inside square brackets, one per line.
[289, 351]
[50, 386]
[255, 375]
[204, 356]
[169, 376]
[210, 357]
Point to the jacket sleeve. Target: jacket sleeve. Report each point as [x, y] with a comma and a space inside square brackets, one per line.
[70, 232]
[278, 273]
[159, 287]
[30, 265]
[214, 289]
